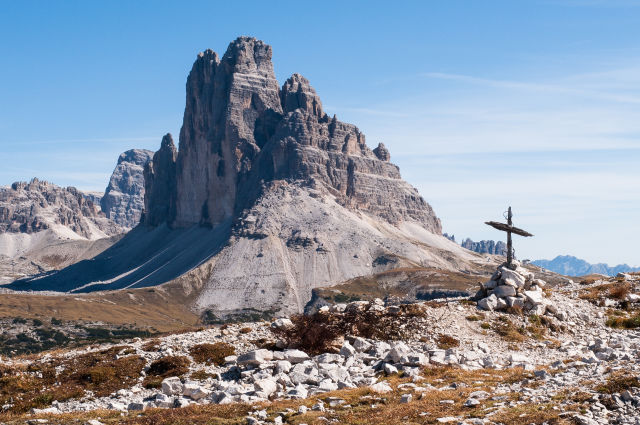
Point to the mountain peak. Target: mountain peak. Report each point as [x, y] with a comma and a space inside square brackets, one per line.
[123, 199]
[241, 130]
[297, 93]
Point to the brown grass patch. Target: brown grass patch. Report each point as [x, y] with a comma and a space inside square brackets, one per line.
[151, 346]
[212, 353]
[619, 291]
[615, 290]
[169, 366]
[447, 341]
[361, 405]
[530, 414]
[508, 330]
[618, 382]
[617, 321]
[318, 333]
[39, 384]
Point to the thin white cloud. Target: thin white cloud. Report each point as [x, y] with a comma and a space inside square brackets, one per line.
[536, 87]
[369, 111]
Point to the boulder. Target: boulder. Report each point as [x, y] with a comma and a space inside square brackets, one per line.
[163, 400]
[389, 369]
[361, 344]
[283, 366]
[397, 352]
[381, 388]
[194, 391]
[255, 357]
[172, 386]
[488, 303]
[299, 392]
[517, 278]
[282, 323]
[534, 297]
[515, 301]
[347, 349]
[267, 386]
[504, 291]
[295, 356]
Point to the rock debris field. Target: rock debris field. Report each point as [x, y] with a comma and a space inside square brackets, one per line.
[576, 362]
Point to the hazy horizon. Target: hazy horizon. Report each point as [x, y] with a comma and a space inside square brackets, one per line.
[482, 106]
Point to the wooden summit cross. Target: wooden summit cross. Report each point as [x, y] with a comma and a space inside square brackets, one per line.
[509, 228]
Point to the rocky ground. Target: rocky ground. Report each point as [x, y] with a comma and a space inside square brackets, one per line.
[430, 362]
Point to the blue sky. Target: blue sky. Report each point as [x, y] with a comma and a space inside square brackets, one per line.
[481, 103]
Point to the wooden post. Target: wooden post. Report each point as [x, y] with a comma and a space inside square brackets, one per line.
[509, 243]
[509, 228]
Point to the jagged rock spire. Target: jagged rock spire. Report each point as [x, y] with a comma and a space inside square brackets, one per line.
[160, 185]
[241, 130]
[297, 93]
[382, 152]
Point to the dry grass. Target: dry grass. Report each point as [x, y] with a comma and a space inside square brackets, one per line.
[619, 291]
[536, 328]
[164, 309]
[400, 282]
[151, 346]
[530, 414]
[165, 367]
[616, 291]
[447, 341]
[211, 353]
[322, 331]
[630, 322]
[618, 382]
[361, 405]
[39, 384]
[508, 330]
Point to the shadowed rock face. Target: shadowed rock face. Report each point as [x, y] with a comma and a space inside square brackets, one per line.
[160, 185]
[123, 199]
[241, 130]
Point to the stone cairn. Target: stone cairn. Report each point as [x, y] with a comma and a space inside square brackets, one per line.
[514, 287]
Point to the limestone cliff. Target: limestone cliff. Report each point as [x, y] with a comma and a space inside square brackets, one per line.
[123, 199]
[39, 205]
[485, 247]
[241, 130]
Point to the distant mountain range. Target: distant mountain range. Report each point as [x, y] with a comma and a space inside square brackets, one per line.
[563, 264]
[572, 266]
[482, 247]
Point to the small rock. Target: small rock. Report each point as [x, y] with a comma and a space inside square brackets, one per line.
[347, 349]
[255, 358]
[381, 388]
[172, 386]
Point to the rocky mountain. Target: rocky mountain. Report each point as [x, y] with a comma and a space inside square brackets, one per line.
[485, 247]
[36, 206]
[93, 196]
[44, 226]
[572, 266]
[241, 131]
[266, 198]
[123, 200]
